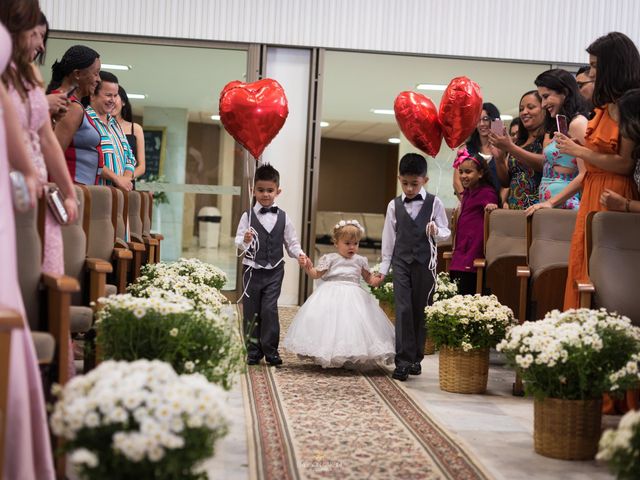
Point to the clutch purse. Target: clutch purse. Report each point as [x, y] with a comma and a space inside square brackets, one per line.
[56, 205]
[19, 192]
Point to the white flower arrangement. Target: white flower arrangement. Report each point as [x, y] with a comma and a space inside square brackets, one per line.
[445, 287]
[192, 269]
[168, 286]
[169, 326]
[468, 321]
[621, 448]
[574, 355]
[344, 223]
[138, 419]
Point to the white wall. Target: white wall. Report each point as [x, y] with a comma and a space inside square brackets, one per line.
[551, 31]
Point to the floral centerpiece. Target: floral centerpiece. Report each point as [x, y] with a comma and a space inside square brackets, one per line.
[464, 327]
[567, 361]
[202, 296]
[138, 420]
[191, 269]
[167, 326]
[621, 448]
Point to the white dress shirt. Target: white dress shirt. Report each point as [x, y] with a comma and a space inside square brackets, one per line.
[268, 221]
[413, 208]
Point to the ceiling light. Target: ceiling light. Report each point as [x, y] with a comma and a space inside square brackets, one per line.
[136, 96]
[506, 118]
[431, 86]
[110, 66]
[394, 140]
[215, 117]
[382, 111]
[324, 124]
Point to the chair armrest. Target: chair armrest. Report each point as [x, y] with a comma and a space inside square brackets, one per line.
[585, 291]
[151, 241]
[523, 272]
[586, 287]
[122, 254]
[10, 319]
[448, 255]
[136, 246]
[61, 283]
[119, 243]
[157, 236]
[479, 263]
[98, 265]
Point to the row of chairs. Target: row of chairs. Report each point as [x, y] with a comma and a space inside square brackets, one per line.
[525, 261]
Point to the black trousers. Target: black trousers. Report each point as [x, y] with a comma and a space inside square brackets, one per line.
[466, 281]
[260, 311]
[413, 285]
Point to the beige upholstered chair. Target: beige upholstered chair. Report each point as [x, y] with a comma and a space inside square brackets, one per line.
[613, 251]
[136, 242]
[152, 245]
[100, 234]
[56, 295]
[505, 248]
[445, 248]
[373, 226]
[542, 281]
[9, 320]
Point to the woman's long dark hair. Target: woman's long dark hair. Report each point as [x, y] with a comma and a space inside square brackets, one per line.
[523, 133]
[629, 108]
[473, 144]
[40, 57]
[563, 82]
[126, 111]
[617, 68]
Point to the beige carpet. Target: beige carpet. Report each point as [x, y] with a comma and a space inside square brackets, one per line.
[309, 422]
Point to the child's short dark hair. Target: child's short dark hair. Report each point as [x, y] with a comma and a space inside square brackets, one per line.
[413, 164]
[268, 174]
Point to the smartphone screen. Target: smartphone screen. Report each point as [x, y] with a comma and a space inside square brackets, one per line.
[561, 121]
[497, 126]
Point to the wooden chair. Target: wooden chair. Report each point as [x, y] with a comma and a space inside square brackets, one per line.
[152, 245]
[9, 321]
[445, 249]
[119, 221]
[613, 254]
[542, 280]
[136, 242]
[101, 238]
[47, 297]
[148, 229]
[505, 248]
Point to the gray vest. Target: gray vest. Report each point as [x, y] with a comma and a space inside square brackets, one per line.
[271, 243]
[412, 244]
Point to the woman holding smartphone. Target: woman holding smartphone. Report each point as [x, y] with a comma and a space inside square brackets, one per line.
[562, 174]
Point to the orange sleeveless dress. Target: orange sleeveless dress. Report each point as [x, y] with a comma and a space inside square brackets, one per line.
[602, 136]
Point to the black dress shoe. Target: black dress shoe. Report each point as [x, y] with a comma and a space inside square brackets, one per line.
[415, 369]
[274, 360]
[400, 373]
[253, 360]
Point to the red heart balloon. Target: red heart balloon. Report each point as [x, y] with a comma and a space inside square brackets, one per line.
[417, 118]
[460, 109]
[253, 113]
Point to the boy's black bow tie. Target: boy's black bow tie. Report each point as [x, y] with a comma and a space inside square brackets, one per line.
[414, 199]
[269, 209]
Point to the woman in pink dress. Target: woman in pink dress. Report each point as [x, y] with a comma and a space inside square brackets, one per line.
[27, 448]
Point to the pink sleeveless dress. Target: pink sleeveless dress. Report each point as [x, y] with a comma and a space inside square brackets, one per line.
[27, 449]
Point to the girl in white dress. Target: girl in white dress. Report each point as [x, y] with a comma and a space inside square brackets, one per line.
[341, 324]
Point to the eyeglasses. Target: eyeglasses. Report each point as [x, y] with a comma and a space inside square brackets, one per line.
[582, 84]
[485, 119]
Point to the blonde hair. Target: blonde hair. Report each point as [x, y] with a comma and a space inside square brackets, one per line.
[347, 229]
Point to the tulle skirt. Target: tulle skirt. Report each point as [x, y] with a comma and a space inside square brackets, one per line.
[341, 325]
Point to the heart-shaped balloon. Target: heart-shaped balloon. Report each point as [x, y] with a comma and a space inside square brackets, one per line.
[253, 113]
[417, 117]
[460, 109]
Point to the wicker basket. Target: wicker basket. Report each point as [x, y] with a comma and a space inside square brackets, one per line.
[463, 372]
[429, 346]
[390, 311]
[567, 429]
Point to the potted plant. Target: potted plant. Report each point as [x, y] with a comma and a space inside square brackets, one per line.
[464, 327]
[192, 269]
[567, 361]
[170, 327]
[384, 293]
[138, 420]
[620, 448]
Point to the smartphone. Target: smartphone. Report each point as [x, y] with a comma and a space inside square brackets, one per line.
[561, 122]
[497, 126]
[71, 90]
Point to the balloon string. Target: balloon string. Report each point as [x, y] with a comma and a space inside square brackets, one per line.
[433, 261]
[251, 251]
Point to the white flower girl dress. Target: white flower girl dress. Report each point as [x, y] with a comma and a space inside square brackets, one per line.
[341, 324]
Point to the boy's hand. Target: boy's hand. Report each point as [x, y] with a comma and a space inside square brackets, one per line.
[302, 260]
[376, 280]
[490, 206]
[432, 229]
[248, 236]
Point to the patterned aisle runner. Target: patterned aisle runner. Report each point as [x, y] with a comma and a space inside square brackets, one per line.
[308, 422]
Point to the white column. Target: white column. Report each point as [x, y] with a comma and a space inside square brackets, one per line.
[291, 68]
[174, 167]
[226, 161]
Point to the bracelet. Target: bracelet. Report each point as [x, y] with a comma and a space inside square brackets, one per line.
[627, 205]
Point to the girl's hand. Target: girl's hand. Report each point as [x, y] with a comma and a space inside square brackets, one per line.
[302, 259]
[567, 145]
[376, 280]
[71, 205]
[612, 201]
[248, 236]
[308, 265]
[490, 207]
[529, 211]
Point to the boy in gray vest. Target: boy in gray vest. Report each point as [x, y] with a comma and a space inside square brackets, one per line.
[261, 234]
[413, 223]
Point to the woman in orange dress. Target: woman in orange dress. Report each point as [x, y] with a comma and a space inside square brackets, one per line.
[608, 156]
